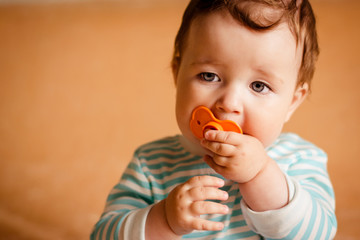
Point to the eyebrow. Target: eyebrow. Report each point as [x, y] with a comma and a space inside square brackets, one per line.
[205, 62]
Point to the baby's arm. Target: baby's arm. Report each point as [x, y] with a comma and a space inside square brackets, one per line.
[132, 213]
[127, 206]
[310, 213]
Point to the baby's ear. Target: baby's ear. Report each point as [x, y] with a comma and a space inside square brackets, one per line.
[299, 96]
[175, 64]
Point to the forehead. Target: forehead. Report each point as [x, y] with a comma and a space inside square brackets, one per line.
[218, 32]
[223, 19]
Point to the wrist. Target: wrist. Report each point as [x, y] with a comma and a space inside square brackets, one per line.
[256, 174]
[262, 169]
[157, 226]
[166, 217]
[268, 190]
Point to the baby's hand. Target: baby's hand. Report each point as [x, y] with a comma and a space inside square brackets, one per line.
[186, 203]
[235, 156]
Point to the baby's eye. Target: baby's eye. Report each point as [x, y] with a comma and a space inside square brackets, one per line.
[260, 87]
[209, 77]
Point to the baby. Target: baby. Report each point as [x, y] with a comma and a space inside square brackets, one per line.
[251, 62]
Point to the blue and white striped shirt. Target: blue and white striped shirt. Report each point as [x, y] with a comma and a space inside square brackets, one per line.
[159, 166]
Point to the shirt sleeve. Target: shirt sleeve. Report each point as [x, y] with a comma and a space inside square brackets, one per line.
[274, 223]
[310, 213]
[127, 207]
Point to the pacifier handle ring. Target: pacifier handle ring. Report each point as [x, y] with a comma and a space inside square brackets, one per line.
[212, 125]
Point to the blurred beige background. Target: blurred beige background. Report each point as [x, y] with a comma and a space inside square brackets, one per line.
[82, 84]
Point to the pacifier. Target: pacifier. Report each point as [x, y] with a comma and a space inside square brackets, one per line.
[202, 120]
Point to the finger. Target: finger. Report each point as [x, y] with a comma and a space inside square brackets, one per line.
[205, 181]
[218, 148]
[221, 160]
[202, 224]
[203, 193]
[231, 138]
[210, 161]
[205, 207]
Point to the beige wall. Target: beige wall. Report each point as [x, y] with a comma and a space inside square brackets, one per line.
[82, 85]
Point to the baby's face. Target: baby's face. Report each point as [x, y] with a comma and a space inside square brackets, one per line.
[246, 76]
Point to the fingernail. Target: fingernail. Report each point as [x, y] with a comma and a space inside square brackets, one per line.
[226, 195]
[220, 226]
[206, 133]
[226, 208]
[221, 182]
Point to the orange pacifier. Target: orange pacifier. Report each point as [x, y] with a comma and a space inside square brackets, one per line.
[203, 119]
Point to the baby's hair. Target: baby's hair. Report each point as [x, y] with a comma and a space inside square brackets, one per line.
[260, 15]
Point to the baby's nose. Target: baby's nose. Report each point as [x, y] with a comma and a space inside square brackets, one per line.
[230, 101]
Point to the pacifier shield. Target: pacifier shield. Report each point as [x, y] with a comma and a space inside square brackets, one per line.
[202, 119]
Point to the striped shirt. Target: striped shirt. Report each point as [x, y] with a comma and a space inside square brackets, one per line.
[159, 166]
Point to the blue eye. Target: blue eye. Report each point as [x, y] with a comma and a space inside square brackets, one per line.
[209, 77]
[259, 87]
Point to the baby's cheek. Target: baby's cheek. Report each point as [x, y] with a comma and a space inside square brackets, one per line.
[268, 137]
